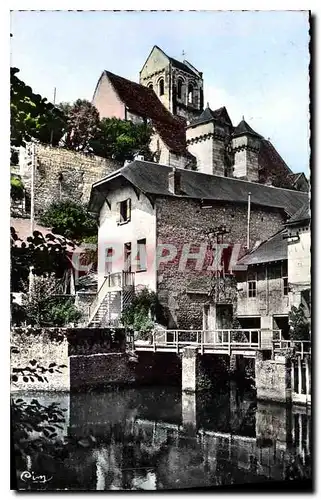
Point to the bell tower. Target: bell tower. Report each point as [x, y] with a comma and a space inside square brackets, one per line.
[178, 85]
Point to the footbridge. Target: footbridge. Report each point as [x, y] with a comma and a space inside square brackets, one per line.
[225, 341]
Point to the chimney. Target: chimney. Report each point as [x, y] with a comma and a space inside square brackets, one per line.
[174, 181]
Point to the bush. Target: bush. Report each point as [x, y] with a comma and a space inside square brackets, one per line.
[70, 219]
[138, 315]
[45, 307]
[16, 188]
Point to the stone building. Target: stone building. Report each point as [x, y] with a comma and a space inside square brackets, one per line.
[225, 150]
[170, 98]
[278, 276]
[162, 227]
[299, 258]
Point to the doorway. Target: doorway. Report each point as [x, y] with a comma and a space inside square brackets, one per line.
[224, 316]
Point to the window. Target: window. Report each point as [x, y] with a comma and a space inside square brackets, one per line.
[108, 260]
[179, 89]
[285, 281]
[124, 211]
[141, 255]
[251, 285]
[161, 86]
[190, 93]
[128, 257]
[150, 86]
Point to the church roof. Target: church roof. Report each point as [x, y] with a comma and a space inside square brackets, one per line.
[220, 115]
[244, 128]
[144, 102]
[271, 250]
[152, 178]
[183, 66]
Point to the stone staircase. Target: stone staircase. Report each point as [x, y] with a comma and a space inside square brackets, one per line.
[111, 300]
[108, 311]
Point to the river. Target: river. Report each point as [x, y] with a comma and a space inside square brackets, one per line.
[155, 438]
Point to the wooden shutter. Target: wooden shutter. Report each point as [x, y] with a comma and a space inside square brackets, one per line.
[118, 212]
[128, 209]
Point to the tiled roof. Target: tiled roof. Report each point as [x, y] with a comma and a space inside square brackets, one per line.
[273, 167]
[220, 115]
[152, 178]
[303, 214]
[244, 128]
[143, 101]
[271, 250]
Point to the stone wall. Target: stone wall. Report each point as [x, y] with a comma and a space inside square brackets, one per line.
[273, 378]
[183, 221]
[59, 346]
[45, 346]
[61, 174]
[100, 370]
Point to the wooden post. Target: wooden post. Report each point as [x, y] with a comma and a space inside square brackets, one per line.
[300, 433]
[250, 338]
[307, 376]
[292, 377]
[299, 375]
[154, 345]
[202, 342]
[177, 348]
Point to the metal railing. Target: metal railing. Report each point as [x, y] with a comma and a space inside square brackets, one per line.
[114, 281]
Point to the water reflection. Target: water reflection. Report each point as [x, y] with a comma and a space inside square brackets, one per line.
[154, 438]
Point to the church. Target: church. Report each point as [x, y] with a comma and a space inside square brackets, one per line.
[187, 135]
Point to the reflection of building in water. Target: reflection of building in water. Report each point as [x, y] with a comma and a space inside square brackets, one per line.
[137, 449]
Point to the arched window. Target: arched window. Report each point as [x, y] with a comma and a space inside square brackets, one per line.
[161, 86]
[179, 88]
[190, 93]
[150, 86]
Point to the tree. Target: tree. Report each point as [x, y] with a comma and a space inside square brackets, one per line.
[299, 325]
[121, 140]
[45, 254]
[32, 117]
[71, 220]
[82, 124]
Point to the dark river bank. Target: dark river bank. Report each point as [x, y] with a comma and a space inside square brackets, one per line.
[155, 438]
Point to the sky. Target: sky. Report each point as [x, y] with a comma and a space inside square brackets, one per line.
[256, 64]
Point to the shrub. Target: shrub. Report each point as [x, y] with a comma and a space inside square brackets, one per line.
[16, 188]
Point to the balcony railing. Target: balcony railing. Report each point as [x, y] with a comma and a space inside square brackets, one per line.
[299, 346]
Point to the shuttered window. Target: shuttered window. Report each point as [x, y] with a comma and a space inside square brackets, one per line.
[108, 261]
[141, 255]
[124, 211]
